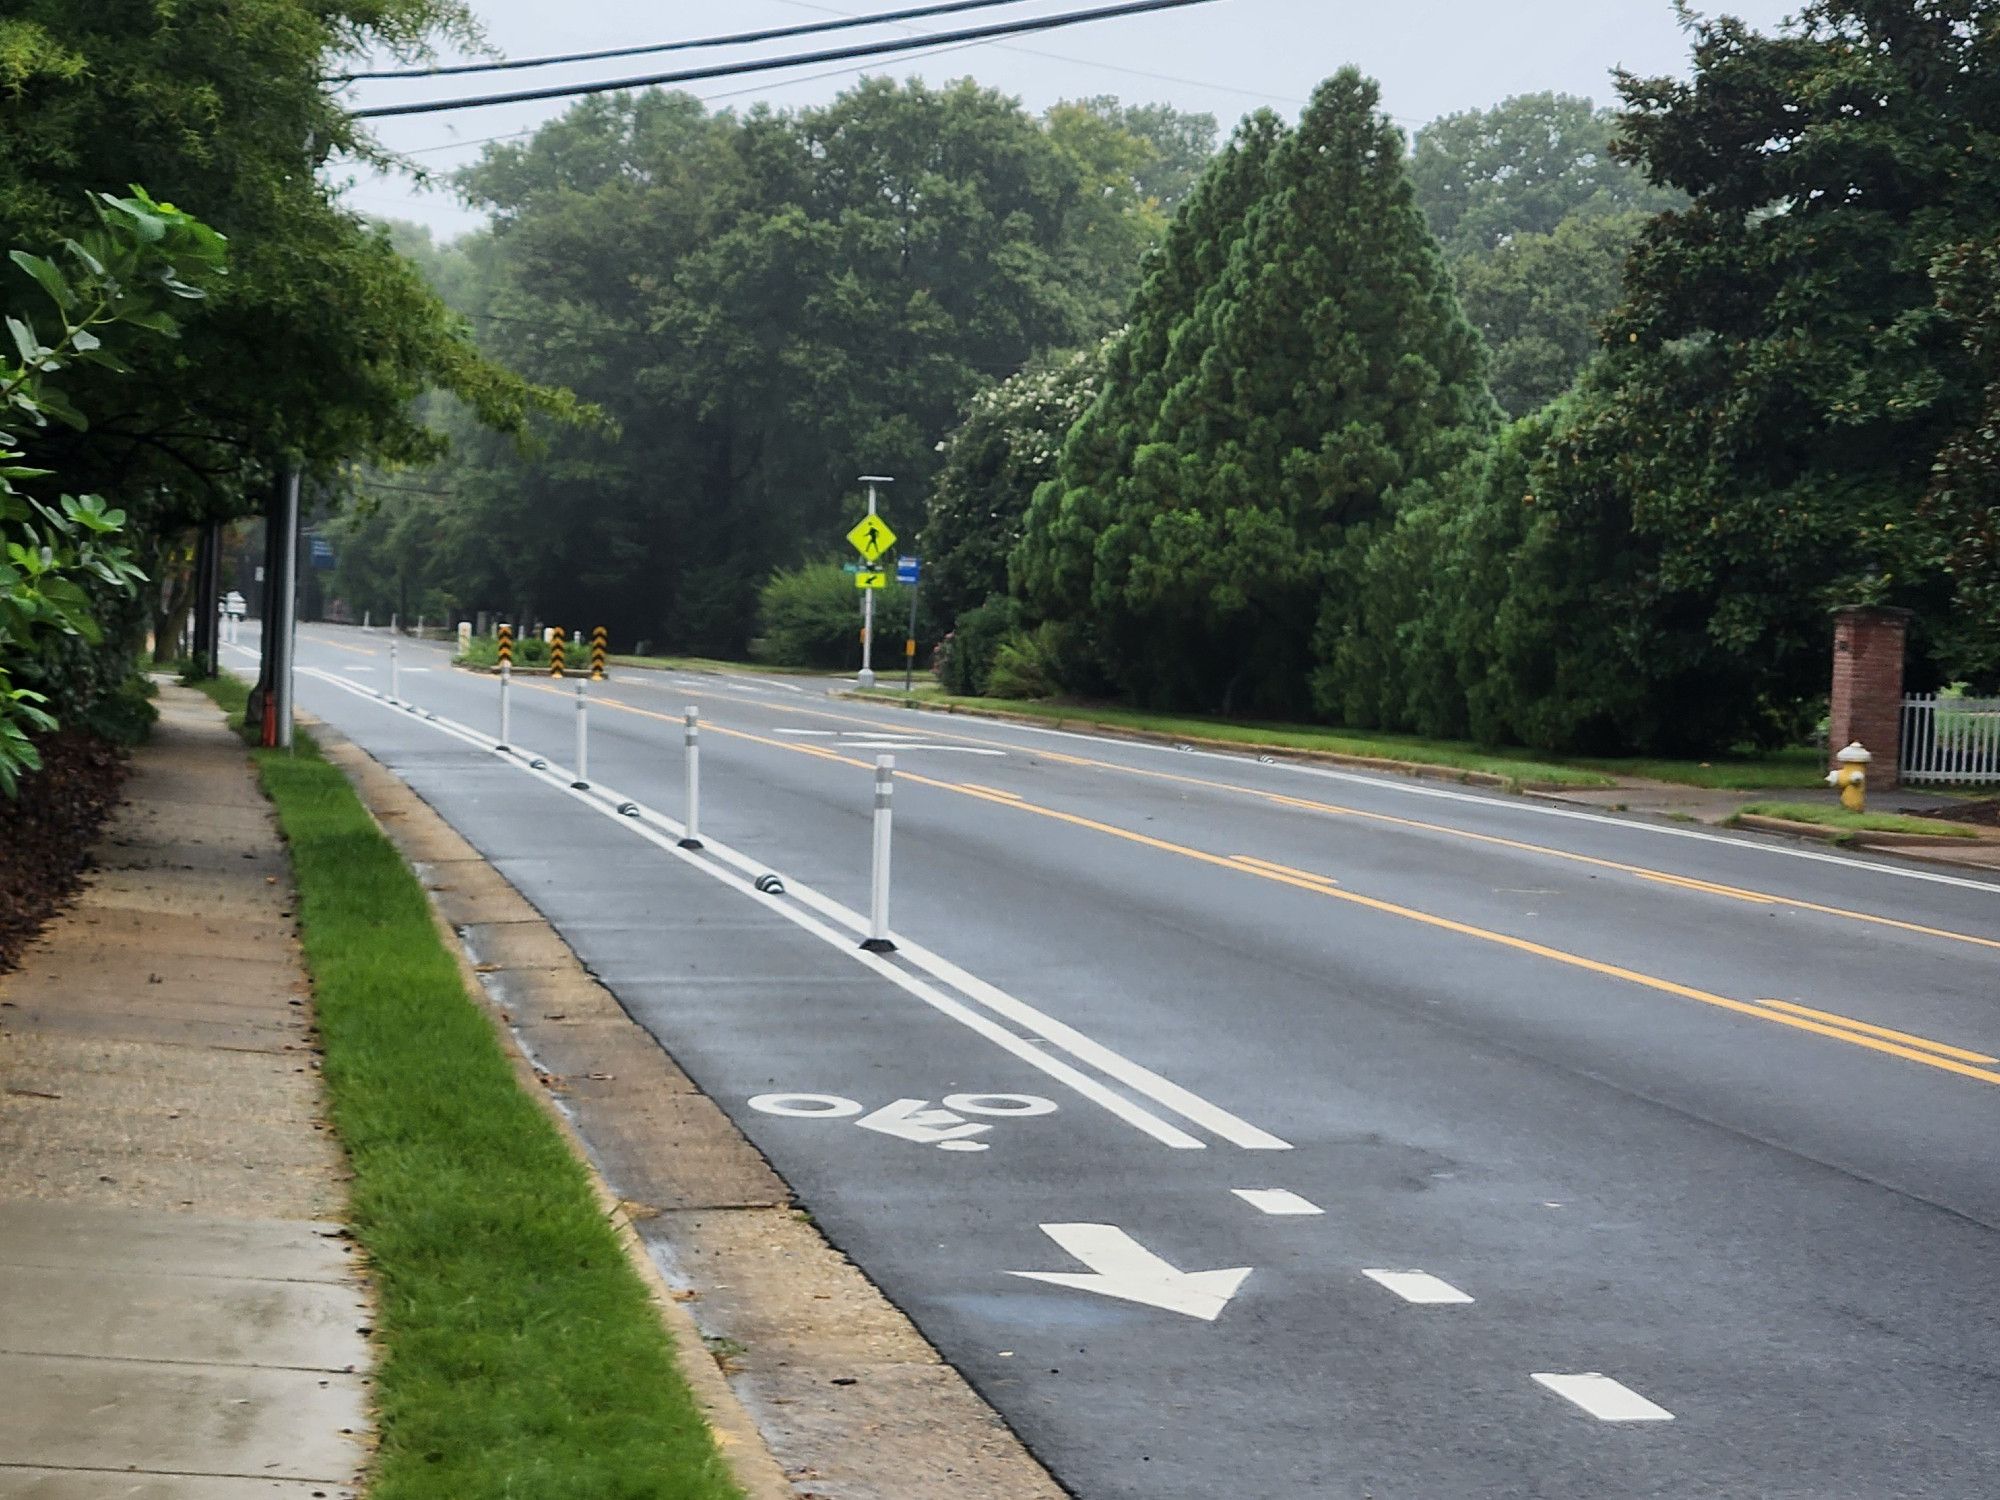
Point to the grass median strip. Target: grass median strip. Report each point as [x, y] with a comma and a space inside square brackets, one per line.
[520, 1353]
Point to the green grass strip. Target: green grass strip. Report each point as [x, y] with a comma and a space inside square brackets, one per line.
[520, 1355]
[1793, 768]
[1865, 822]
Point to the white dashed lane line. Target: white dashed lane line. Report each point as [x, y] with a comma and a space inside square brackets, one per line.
[1421, 1288]
[1604, 1398]
[1277, 1201]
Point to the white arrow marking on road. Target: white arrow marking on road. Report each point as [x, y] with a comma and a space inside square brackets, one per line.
[1122, 1267]
[913, 1120]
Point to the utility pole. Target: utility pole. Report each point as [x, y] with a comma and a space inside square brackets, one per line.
[867, 677]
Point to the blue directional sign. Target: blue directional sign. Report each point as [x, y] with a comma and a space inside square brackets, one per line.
[322, 553]
[908, 569]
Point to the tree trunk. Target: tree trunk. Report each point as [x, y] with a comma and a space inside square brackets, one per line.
[173, 580]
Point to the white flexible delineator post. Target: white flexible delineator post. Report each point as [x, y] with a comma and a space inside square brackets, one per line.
[506, 684]
[878, 939]
[582, 781]
[691, 739]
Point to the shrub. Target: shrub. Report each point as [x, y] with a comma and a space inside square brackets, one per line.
[973, 644]
[1028, 664]
[810, 616]
[125, 715]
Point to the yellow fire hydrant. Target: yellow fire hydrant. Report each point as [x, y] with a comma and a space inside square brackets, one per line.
[1851, 776]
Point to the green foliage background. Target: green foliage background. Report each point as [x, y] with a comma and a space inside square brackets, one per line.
[765, 305]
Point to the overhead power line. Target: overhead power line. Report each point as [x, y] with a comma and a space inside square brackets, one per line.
[741, 38]
[770, 64]
[515, 135]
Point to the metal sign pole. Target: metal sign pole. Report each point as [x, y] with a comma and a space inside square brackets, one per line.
[867, 678]
[910, 640]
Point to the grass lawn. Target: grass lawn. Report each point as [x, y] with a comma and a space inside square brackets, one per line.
[1840, 817]
[520, 1352]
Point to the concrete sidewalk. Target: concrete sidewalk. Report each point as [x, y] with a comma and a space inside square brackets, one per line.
[180, 1314]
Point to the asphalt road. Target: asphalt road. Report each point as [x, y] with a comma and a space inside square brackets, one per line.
[1358, 1136]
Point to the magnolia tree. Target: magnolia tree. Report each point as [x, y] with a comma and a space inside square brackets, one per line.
[62, 555]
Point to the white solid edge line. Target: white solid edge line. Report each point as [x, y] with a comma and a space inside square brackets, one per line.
[1499, 804]
[604, 801]
[1604, 1398]
[1277, 1201]
[1135, 1076]
[1421, 1288]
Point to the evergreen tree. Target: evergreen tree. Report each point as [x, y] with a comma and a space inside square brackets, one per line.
[1295, 365]
[1055, 567]
[1780, 379]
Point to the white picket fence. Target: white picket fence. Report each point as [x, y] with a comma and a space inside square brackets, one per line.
[1950, 739]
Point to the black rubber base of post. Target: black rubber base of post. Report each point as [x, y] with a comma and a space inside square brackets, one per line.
[877, 945]
[692, 844]
[579, 786]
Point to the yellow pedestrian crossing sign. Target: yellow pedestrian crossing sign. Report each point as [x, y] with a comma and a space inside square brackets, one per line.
[871, 580]
[871, 537]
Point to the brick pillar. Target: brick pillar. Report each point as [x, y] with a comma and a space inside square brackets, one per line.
[1868, 686]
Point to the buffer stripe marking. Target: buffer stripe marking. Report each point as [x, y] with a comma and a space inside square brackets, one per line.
[1420, 1287]
[1604, 1398]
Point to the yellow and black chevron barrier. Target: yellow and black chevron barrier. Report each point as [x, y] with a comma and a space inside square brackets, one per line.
[507, 645]
[599, 643]
[556, 651]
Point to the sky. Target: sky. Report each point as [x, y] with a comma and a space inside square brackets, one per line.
[1229, 57]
